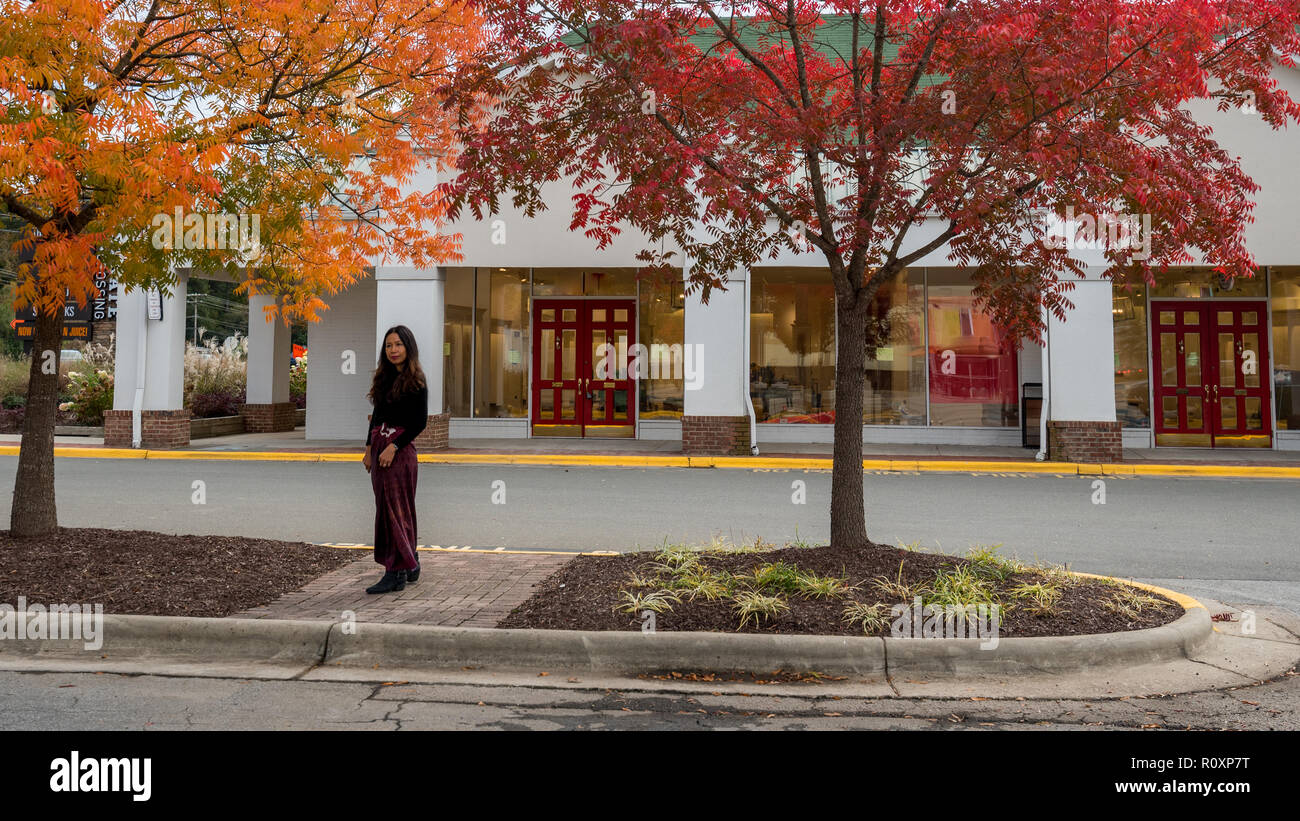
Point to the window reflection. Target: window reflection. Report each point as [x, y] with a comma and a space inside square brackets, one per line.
[1129, 321]
[501, 343]
[1285, 307]
[792, 345]
[972, 364]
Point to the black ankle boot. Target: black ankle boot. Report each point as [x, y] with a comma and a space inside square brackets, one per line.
[413, 576]
[392, 580]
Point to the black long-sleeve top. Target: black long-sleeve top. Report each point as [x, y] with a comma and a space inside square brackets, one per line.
[410, 412]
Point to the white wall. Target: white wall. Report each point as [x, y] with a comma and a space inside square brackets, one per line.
[414, 299]
[1081, 357]
[270, 347]
[714, 335]
[336, 401]
[164, 387]
[1270, 158]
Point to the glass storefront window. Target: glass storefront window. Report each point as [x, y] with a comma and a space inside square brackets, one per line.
[895, 390]
[557, 282]
[1285, 308]
[457, 340]
[501, 343]
[584, 282]
[972, 365]
[1129, 320]
[1202, 283]
[662, 330]
[792, 345]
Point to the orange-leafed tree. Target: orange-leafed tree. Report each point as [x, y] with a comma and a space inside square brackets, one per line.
[307, 117]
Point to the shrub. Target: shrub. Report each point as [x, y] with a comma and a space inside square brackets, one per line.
[13, 376]
[298, 382]
[218, 403]
[215, 378]
[91, 394]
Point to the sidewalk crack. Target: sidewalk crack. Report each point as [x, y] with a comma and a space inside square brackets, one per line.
[889, 679]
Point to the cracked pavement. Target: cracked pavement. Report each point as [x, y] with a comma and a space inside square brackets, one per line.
[104, 701]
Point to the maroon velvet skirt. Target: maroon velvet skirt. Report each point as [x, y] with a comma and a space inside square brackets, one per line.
[394, 501]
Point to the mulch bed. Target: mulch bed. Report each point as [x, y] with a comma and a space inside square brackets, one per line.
[583, 595]
[158, 574]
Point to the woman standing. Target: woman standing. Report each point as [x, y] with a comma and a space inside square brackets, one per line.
[401, 400]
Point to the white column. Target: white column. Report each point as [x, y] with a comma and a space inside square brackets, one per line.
[1082, 356]
[416, 299]
[270, 349]
[714, 337]
[163, 353]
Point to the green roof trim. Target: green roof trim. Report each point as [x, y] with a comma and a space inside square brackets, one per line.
[833, 38]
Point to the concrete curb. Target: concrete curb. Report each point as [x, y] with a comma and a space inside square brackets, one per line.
[725, 462]
[182, 640]
[405, 646]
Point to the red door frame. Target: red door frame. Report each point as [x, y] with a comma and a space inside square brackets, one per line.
[1201, 320]
[587, 420]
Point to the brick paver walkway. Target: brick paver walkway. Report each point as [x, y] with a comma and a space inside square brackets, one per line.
[455, 589]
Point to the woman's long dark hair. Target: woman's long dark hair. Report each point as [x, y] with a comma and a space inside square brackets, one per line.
[389, 383]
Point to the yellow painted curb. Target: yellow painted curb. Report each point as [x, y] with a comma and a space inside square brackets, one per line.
[235, 455]
[996, 467]
[1182, 599]
[97, 453]
[1118, 470]
[732, 462]
[1222, 471]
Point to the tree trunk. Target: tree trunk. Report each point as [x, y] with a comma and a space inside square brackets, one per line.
[848, 517]
[33, 512]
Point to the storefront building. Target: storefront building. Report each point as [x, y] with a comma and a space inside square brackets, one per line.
[513, 336]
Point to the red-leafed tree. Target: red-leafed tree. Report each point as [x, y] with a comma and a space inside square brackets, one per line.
[878, 133]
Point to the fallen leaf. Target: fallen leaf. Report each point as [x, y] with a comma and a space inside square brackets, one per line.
[573, 679]
[1251, 703]
[833, 715]
[539, 675]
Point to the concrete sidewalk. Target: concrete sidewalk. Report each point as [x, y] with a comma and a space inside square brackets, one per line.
[296, 441]
[294, 446]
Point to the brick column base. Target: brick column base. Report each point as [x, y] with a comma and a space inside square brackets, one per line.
[435, 435]
[158, 428]
[1090, 442]
[715, 435]
[269, 418]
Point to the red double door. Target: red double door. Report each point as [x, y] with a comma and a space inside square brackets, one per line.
[1211, 373]
[581, 380]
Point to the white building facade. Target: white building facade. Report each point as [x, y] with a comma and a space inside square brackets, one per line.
[514, 339]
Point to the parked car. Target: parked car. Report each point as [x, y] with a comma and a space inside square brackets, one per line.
[70, 355]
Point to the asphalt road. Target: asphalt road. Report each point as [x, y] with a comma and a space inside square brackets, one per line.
[1231, 539]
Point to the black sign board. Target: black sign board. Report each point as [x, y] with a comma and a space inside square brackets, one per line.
[76, 318]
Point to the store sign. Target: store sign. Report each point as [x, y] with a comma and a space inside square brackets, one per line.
[80, 330]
